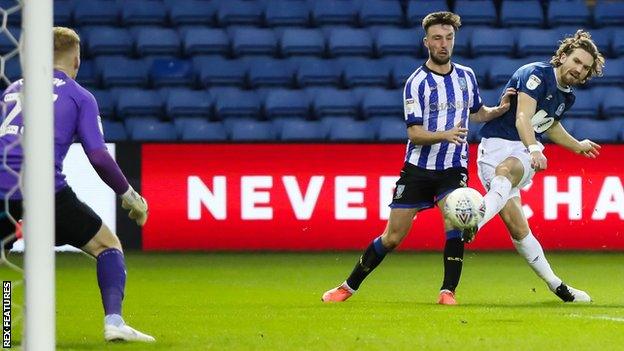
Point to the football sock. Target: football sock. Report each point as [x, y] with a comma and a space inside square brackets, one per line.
[496, 198]
[532, 251]
[111, 275]
[372, 257]
[114, 319]
[453, 259]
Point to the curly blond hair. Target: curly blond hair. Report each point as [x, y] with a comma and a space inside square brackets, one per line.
[580, 40]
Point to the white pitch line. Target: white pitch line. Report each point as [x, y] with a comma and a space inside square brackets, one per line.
[600, 317]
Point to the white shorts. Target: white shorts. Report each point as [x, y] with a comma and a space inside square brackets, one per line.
[493, 151]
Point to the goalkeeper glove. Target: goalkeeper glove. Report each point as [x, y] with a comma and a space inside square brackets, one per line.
[131, 200]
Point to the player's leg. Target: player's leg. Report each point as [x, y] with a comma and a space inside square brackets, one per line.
[529, 247]
[398, 226]
[507, 175]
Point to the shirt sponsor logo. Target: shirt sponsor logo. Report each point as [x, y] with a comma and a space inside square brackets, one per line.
[533, 82]
[560, 109]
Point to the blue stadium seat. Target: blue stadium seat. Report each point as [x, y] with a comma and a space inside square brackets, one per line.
[157, 41]
[233, 12]
[121, 71]
[402, 68]
[105, 102]
[96, 12]
[418, 9]
[154, 131]
[584, 105]
[298, 41]
[202, 130]
[297, 130]
[613, 103]
[6, 43]
[567, 13]
[216, 70]
[286, 103]
[114, 131]
[314, 71]
[382, 102]
[253, 41]
[143, 12]
[138, 102]
[62, 11]
[268, 72]
[206, 41]
[481, 67]
[359, 71]
[328, 122]
[170, 72]
[188, 103]
[350, 41]
[502, 69]
[617, 46]
[108, 41]
[596, 130]
[252, 131]
[236, 103]
[537, 42]
[131, 122]
[333, 12]
[479, 12]
[522, 13]
[492, 41]
[397, 41]
[490, 97]
[462, 42]
[328, 101]
[287, 13]
[392, 129]
[182, 12]
[613, 73]
[380, 12]
[351, 131]
[87, 75]
[609, 13]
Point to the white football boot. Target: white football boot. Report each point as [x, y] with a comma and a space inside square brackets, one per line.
[570, 294]
[125, 333]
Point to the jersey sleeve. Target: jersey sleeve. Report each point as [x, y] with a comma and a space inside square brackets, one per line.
[477, 102]
[414, 104]
[90, 133]
[532, 83]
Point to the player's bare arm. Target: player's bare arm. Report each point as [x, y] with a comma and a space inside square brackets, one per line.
[525, 111]
[558, 135]
[419, 136]
[486, 113]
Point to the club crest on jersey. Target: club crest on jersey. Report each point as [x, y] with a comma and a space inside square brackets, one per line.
[560, 109]
[462, 83]
[409, 106]
[399, 191]
[533, 82]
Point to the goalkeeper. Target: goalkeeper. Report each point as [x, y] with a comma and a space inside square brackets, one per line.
[75, 119]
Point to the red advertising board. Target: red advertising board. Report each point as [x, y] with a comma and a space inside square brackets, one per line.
[335, 196]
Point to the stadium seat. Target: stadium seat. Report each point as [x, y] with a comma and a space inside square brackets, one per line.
[392, 129]
[397, 41]
[236, 103]
[202, 130]
[608, 13]
[297, 130]
[492, 41]
[359, 71]
[96, 12]
[402, 68]
[105, 102]
[252, 131]
[326, 12]
[351, 131]
[268, 72]
[481, 67]
[143, 12]
[613, 73]
[502, 69]
[490, 97]
[479, 12]
[287, 13]
[568, 13]
[584, 105]
[380, 12]
[157, 41]
[474, 129]
[418, 9]
[334, 102]
[521, 13]
[286, 103]
[114, 131]
[314, 71]
[87, 75]
[537, 42]
[188, 103]
[121, 71]
[206, 41]
[253, 41]
[138, 102]
[239, 12]
[613, 103]
[596, 130]
[350, 41]
[108, 41]
[297, 41]
[153, 131]
[216, 70]
[382, 102]
[170, 72]
[462, 42]
[617, 45]
[197, 12]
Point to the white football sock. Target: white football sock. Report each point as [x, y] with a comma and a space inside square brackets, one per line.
[533, 253]
[496, 198]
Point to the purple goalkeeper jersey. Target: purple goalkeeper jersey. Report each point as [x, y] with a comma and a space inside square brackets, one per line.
[76, 119]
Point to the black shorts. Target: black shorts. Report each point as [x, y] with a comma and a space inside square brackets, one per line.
[76, 223]
[422, 188]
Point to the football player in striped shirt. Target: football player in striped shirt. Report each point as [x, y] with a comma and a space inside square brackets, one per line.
[439, 97]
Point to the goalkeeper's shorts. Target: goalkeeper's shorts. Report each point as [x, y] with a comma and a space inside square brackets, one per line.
[76, 223]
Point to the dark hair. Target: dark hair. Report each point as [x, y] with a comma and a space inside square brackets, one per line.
[580, 40]
[442, 17]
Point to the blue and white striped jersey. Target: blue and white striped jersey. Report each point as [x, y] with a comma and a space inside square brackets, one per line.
[438, 102]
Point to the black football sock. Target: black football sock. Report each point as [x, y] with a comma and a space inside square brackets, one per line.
[453, 260]
[372, 257]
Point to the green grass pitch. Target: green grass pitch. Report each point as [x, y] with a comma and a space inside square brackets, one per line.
[270, 301]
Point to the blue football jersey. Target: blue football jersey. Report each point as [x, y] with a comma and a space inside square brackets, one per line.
[537, 80]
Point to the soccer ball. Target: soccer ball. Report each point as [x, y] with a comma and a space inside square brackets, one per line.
[464, 208]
